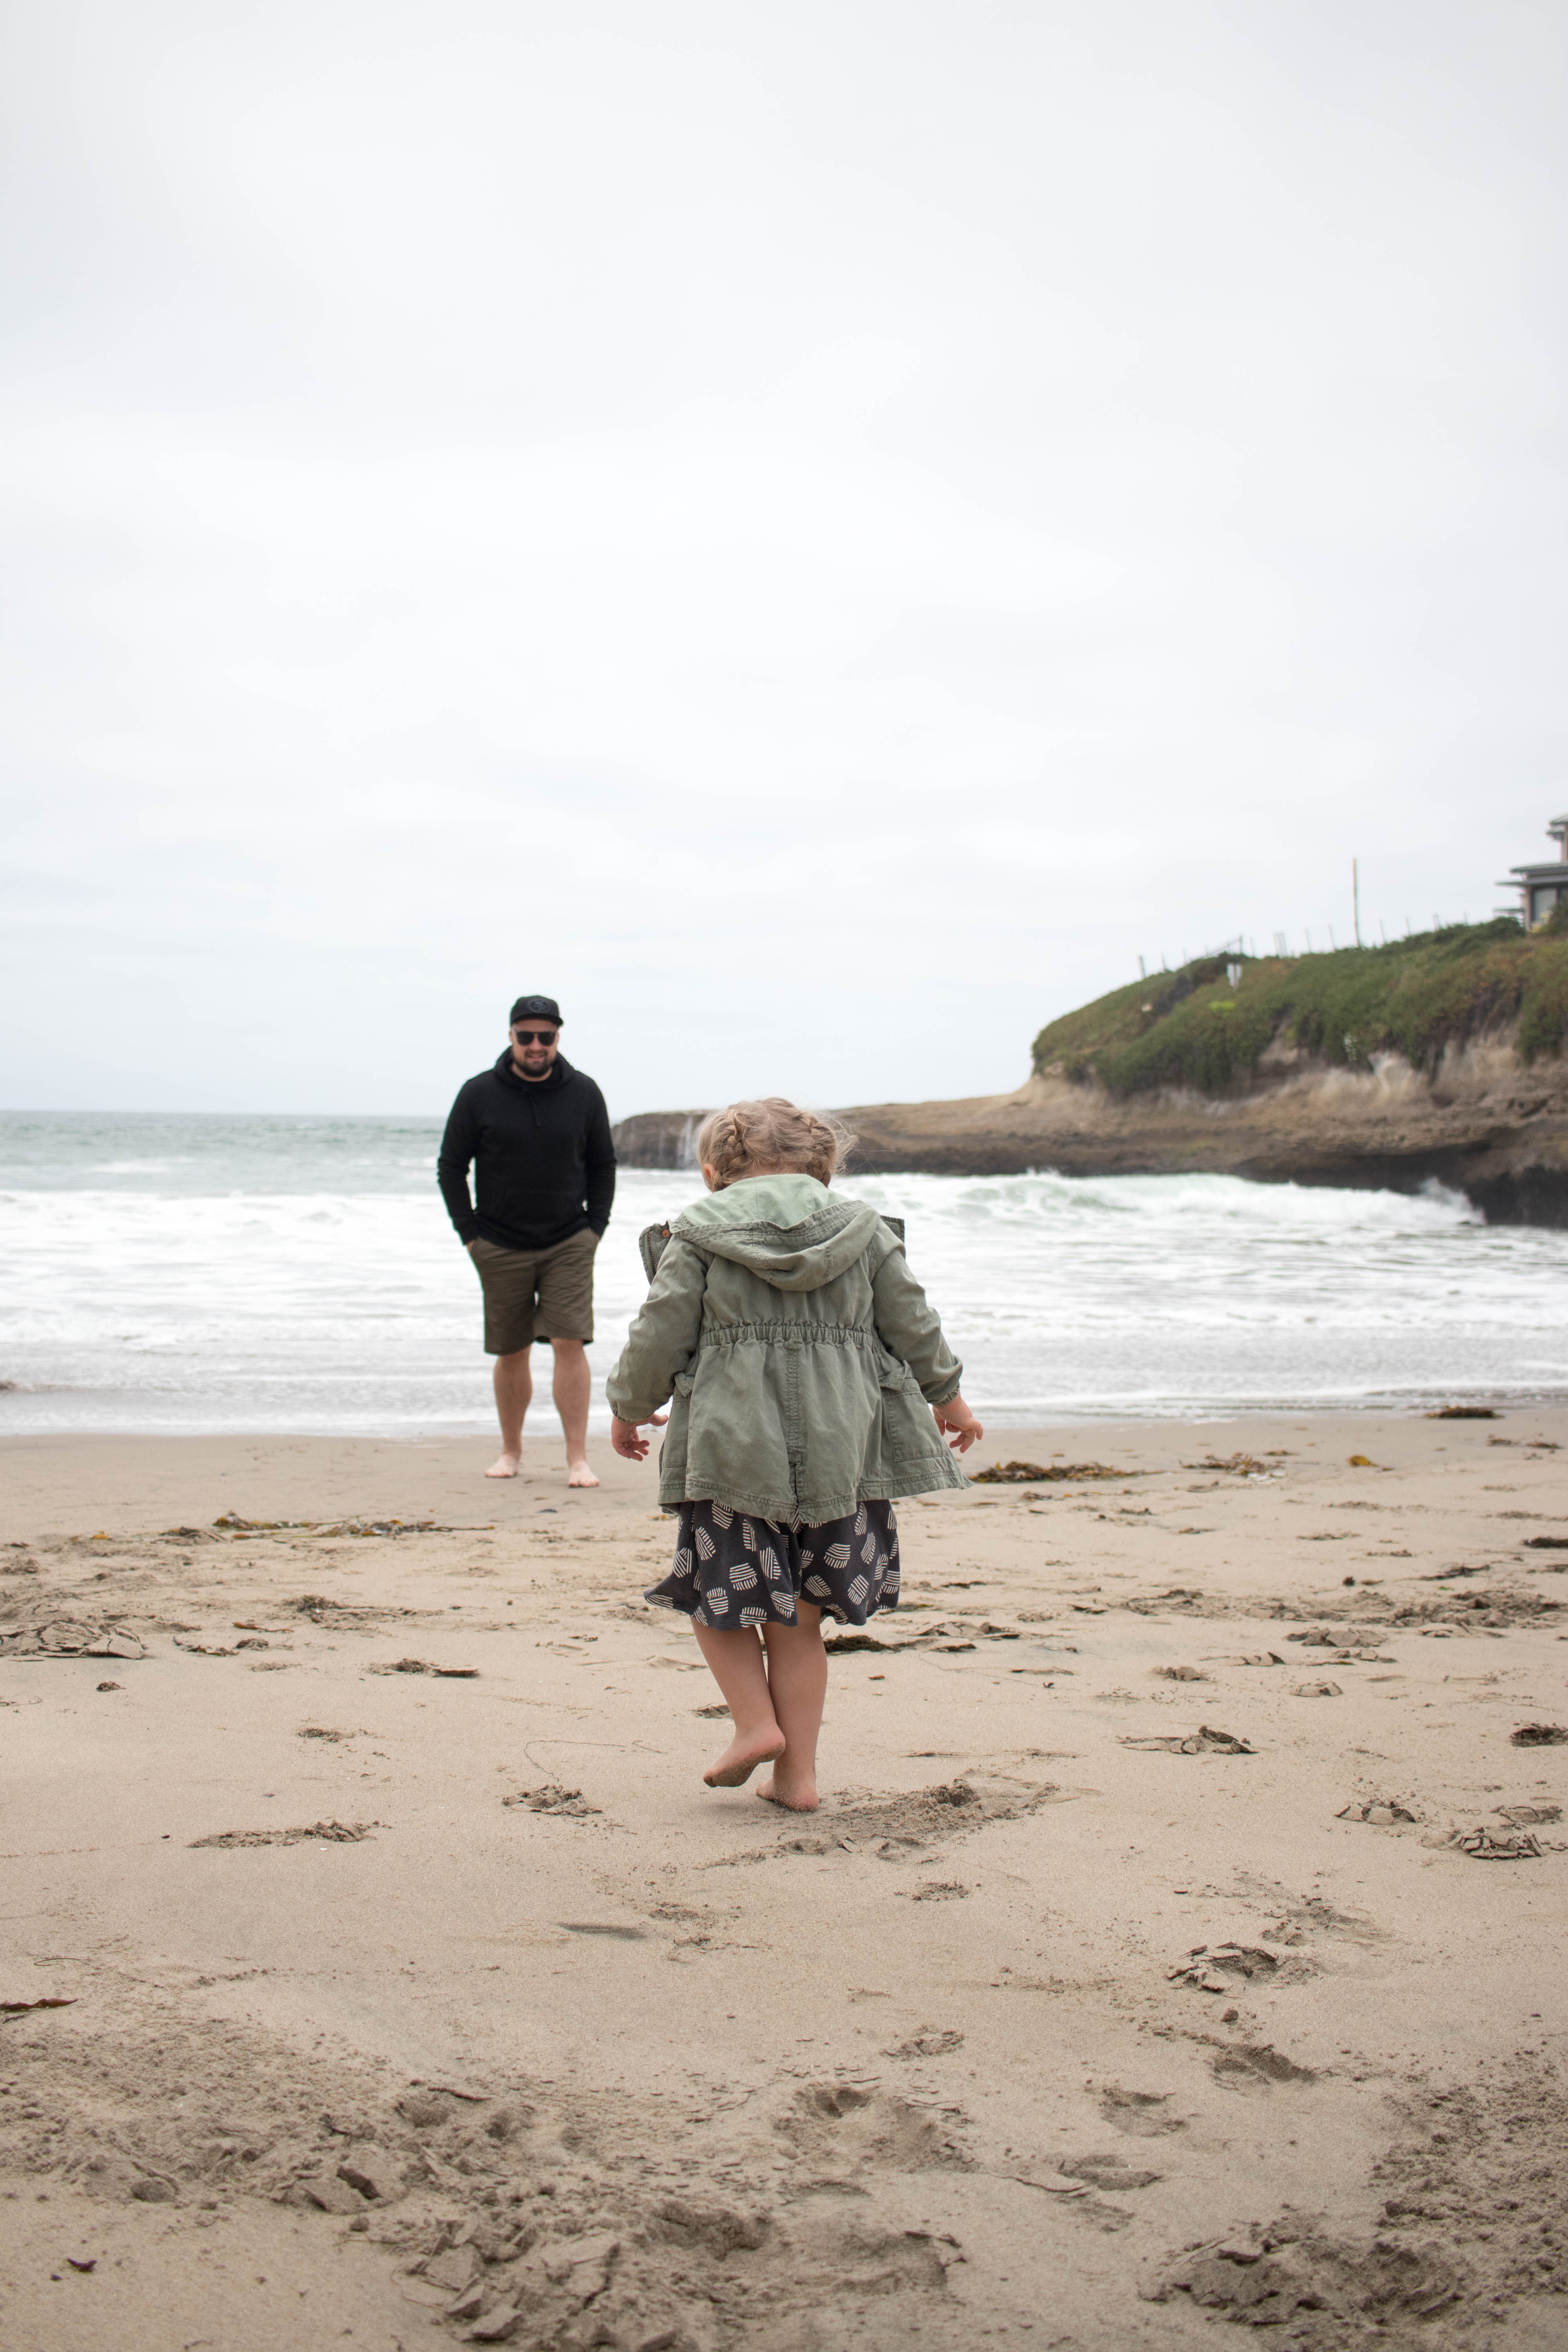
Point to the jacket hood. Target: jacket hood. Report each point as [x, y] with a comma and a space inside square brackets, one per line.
[788, 1229]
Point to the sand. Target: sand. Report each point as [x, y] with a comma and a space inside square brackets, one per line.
[1059, 2025]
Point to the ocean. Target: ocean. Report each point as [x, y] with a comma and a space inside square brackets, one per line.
[183, 1273]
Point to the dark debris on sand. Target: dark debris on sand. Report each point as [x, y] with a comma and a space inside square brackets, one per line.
[323, 1832]
[423, 1667]
[1031, 1474]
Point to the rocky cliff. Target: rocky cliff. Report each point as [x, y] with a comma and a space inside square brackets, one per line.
[1480, 1124]
[1434, 1059]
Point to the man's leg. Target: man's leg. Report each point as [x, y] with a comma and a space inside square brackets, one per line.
[514, 1393]
[566, 1316]
[507, 1278]
[574, 1388]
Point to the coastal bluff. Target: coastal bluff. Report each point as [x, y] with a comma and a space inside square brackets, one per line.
[1438, 1059]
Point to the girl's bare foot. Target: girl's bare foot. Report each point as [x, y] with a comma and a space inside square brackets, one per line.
[579, 1475]
[795, 1790]
[743, 1756]
[505, 1465]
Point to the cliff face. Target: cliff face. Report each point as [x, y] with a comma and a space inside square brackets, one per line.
[1223, 1022]
[1440, 1057]
[659, 1138]
[1479, 1123]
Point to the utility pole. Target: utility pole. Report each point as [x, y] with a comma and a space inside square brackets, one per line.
[1355, 897]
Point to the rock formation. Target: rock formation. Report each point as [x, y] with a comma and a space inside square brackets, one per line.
[1480, 1124]
[1439, 1058]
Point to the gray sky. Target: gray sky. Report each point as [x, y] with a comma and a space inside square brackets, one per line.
[817, 532]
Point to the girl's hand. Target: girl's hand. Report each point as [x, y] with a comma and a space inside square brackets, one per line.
[626, 1441]
[955, 1421]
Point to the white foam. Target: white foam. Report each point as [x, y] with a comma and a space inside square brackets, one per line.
[302, 1274]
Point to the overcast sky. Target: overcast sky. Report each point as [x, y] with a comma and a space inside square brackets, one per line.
[818, 532]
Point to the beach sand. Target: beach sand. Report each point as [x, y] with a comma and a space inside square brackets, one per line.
[1052, 2027]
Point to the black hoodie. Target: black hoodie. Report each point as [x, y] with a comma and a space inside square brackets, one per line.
[544, 1165]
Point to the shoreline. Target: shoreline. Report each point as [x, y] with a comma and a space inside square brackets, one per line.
[122, 1471]
[389, 1861]
[1012, 1422]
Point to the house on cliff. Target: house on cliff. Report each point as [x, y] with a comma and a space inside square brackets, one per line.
[1541, 886]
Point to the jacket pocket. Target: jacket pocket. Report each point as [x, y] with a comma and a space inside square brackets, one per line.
[676, 1433]
[909, 1432]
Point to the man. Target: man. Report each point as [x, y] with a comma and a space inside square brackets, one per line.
[538, 1136]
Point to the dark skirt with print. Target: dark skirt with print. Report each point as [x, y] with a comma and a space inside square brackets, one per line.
[731, 1571]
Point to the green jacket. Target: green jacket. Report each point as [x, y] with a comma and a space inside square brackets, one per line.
[799, 1351]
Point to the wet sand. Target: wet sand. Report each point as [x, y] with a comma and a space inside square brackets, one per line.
[1059, 2025]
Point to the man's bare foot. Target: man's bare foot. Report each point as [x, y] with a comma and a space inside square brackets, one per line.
[741, 1758]
[796, 1792]
[505, 1465]
[579, 1475]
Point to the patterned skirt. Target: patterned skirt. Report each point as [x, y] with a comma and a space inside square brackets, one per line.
[731, 1571]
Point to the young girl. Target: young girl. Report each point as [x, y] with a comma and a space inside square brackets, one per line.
[799, 1355]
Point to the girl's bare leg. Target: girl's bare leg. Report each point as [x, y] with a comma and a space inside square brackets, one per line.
[735, 1662]
[797, 1681]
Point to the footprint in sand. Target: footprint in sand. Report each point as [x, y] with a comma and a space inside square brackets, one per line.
[1256, 2066]
[1144, 2114]
[1112, 2172]
[931, 2041]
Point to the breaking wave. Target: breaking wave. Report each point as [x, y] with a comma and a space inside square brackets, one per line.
[204, 1274]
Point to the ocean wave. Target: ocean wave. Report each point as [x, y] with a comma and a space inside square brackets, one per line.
[339, 1298]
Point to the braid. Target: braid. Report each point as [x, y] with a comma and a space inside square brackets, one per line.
[771, 1133]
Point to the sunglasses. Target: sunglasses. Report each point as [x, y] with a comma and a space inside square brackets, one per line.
[536, 1037]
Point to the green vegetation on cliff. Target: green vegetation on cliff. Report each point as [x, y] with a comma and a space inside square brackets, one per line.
[1414, 996]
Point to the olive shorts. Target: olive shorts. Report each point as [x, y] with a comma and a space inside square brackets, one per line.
[536, 1294]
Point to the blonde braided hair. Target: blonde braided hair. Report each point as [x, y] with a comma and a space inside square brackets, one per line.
[749, 1139]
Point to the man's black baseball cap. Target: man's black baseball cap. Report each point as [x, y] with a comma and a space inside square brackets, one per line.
[535, 1008]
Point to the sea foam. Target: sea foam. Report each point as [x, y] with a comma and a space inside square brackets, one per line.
[196, 1273]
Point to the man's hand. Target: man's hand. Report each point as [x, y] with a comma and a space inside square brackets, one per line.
[955, 1421]
[626, 1441]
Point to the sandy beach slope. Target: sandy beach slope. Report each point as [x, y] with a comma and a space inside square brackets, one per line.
[409, 2006]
